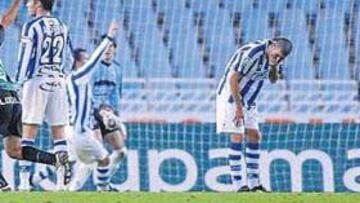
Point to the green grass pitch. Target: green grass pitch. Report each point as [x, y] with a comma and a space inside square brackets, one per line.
[188, 197]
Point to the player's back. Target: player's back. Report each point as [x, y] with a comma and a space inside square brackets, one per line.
[44, 43]
[250, 62]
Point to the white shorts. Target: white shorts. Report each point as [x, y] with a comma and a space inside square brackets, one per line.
[87, 148]
[225, 113]
[44, 102]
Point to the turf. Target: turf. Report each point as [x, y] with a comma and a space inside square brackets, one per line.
[189, 197]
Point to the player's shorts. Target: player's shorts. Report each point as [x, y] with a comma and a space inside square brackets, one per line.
[10, 114]
[98, 121]
[88, 149]
[44, 101]
[225, 113]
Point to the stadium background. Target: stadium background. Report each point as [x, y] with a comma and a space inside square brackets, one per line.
[172, 54]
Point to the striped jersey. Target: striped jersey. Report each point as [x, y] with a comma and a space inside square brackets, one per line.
[250, 62]
[44, 43]
[106, 84]
[79, 90]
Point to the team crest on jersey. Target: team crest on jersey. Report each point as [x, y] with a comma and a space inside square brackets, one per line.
[246, 62]
[260, 75]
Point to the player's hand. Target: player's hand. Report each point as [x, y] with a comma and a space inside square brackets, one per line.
[239, 116]
[273, 74]
[113, 28]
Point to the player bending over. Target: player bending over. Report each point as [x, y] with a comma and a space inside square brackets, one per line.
[236, 111]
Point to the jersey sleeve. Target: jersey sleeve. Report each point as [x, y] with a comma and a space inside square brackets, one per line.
[25, 53]
[83, 74]
[249, 59]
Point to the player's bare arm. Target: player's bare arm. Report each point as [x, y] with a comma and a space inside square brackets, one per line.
[113, 28]
[10, 14]
[235, 91]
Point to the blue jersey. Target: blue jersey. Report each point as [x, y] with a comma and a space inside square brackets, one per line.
[79, 90]
[106, 85]
[250, 62]
[44, 42]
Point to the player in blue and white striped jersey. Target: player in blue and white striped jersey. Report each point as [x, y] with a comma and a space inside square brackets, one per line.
[88, 148]
[236, 112]
[43, 48]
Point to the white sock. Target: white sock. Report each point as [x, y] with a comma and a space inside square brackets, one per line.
[60, 145]
[236, 165]
[115, 159]
[252, 164]
[25, 167]
[81, 174]
[102, 176]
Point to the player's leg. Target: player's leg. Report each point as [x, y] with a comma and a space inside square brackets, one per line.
[252, 156]
[252, 152]
[28, 140]
[63, 174]
[116, 138]
[235, 162]
[225, 113]
[107, 125]
[90, 149]
[82, 172]
[102, 175]
[57, 116]
[4, 186]
[34, 104]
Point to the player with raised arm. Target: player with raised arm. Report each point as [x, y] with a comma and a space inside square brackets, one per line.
[10, 113]
[87, 145]
[44, 42]
[105, 84]
[236, 111]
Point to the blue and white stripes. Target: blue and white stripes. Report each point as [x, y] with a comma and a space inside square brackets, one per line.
[236, 165]
[60, 145]
[252, 164]
[43, 49]
[79, 90]
[250, 63]
[102, 175]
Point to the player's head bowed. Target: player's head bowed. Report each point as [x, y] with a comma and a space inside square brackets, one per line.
[278, 50]
[34, 6]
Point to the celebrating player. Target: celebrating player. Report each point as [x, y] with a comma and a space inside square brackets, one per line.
[105, 84]
[41, 72]
[236, 111]
[88, 147]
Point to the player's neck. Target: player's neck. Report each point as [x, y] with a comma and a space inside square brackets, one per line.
[106, 63]
[42, 13]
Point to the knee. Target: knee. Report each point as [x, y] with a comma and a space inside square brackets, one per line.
[14, 152]
[104, 162]
[236, 138]
[254, 137]
[120, 154]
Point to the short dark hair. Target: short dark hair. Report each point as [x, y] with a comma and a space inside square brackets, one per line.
[284, 44]
[113, 41]
[47, 4]
[77, 54]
